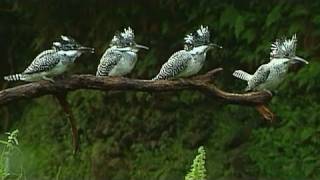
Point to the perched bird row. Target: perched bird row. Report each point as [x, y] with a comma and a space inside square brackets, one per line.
[120, 58]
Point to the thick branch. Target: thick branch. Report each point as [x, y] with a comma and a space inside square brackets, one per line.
[200, 83]
[60, 88]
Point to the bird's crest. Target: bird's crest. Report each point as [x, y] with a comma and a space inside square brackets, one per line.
[123, 39]
[284, 48]
[65, 43]
[67, 39]
[197, 38]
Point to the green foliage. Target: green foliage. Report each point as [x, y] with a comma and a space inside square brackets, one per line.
[9, 149]
[289, 150]
[130, 135]
[198, 169]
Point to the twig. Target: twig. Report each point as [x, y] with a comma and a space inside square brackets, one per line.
[62, 98]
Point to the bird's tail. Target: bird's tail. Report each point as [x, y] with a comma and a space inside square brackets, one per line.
[247, 89]
[13, 77]
[242, 75]
[157, 77]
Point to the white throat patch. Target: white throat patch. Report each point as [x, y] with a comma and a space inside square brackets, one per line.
[70, 53]
[199, 50]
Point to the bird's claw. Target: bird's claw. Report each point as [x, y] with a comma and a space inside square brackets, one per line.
[48, 79]
[269, 92]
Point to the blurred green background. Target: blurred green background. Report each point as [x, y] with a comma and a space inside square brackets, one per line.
[135, 135]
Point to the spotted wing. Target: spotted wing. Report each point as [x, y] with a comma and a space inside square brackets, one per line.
[259, 77]
[176, 64]
[45, 61]
[108, 61]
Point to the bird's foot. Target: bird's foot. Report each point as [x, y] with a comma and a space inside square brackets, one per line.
[61, 76]
[183, 80]
[48, 79]
[269, 92]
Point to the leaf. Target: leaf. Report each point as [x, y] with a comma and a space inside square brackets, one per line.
[239, 26]
[316, 19]
[306, 133]
[296, 27]
[4, 142]
[198, 170]
[228, 17]
[16, 141]
[299, 11]
[274, 15]
[249, 35]
[309, 168]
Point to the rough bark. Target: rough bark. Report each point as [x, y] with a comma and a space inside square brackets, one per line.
[202, 83]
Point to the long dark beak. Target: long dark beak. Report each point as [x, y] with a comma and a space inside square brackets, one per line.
[215, 45]
[141, 46]
[296, 58]
[86, 49]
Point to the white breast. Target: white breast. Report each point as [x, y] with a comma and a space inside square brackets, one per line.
[125, 65]
[195, 65]
[278, 71]
[70, 55]
[59, 68]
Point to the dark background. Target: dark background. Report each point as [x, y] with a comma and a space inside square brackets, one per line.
[135, 135]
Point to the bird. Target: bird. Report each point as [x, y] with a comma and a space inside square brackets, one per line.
[120, 58]
[52, 62]
[269, 76]
[189, 61]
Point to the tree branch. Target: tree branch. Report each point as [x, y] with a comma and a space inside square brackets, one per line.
[202, 83]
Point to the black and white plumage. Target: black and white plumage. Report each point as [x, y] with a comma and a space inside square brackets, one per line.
[269, 76]
[52, 62]
[189, 61]
[121, 57]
